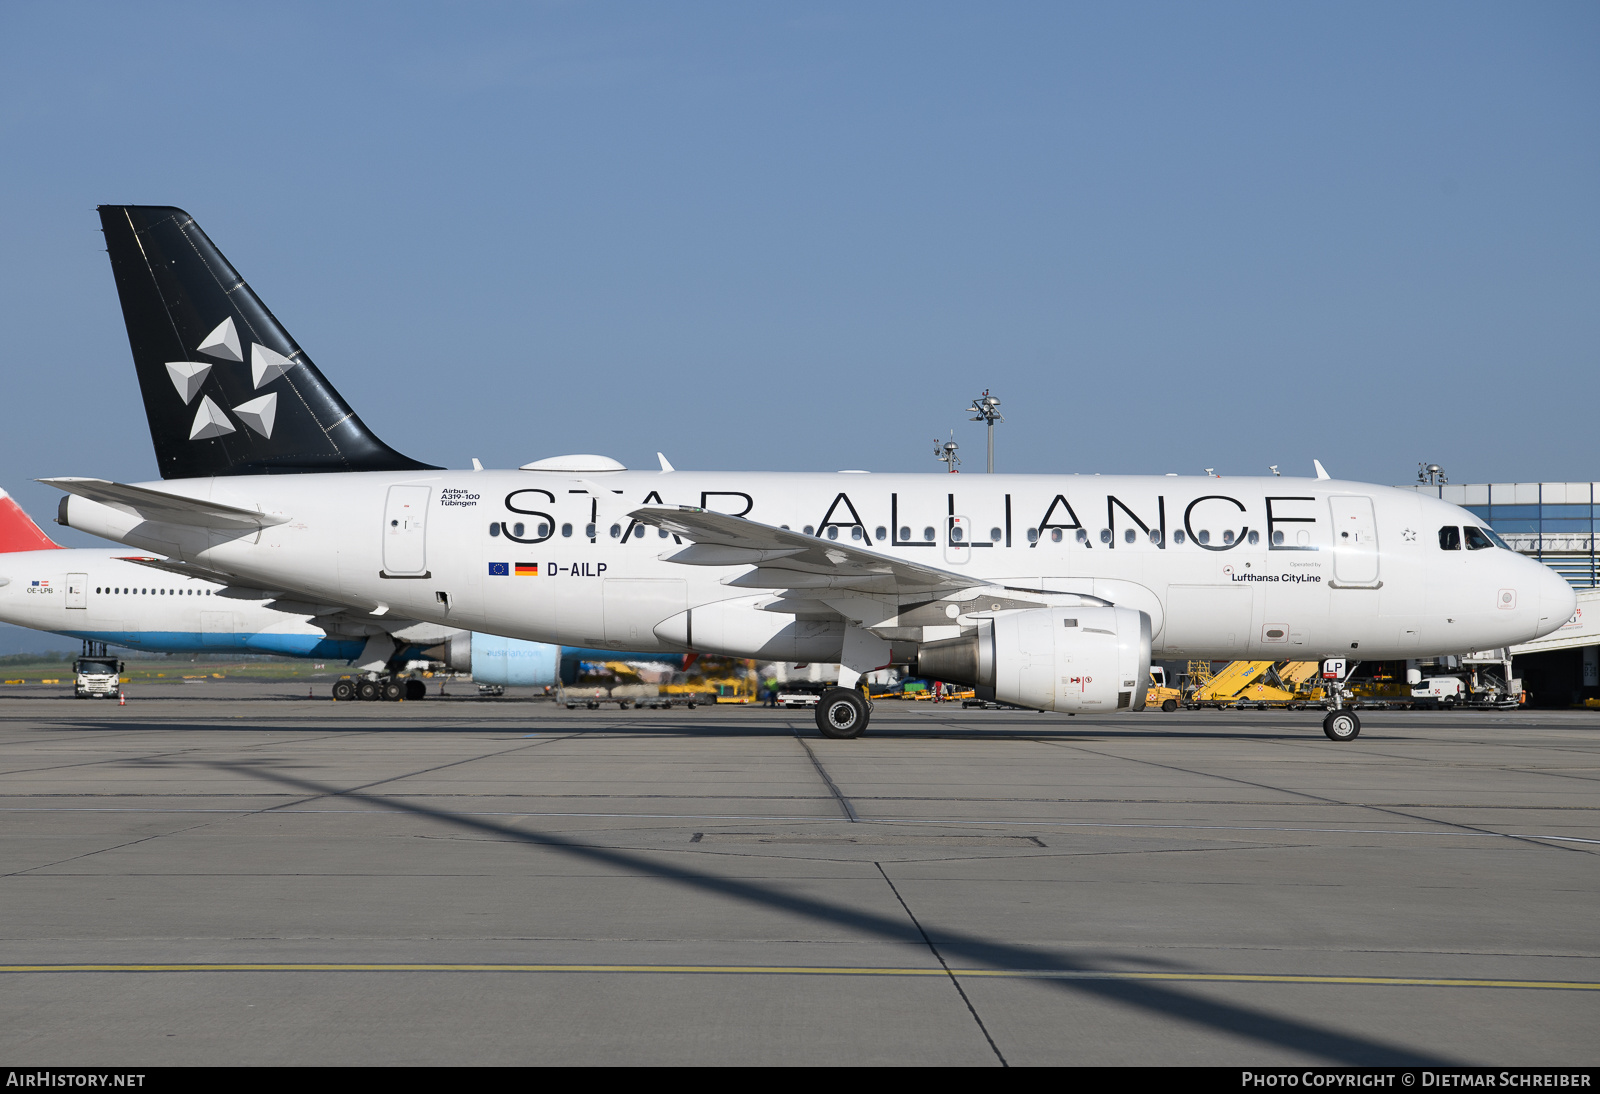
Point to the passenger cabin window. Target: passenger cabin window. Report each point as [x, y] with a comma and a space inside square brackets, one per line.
[1476, 540]
[1449, 538]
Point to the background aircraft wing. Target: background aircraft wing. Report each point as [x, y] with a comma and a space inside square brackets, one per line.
[785, 559]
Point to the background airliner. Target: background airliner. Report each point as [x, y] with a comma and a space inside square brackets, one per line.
[110, 596]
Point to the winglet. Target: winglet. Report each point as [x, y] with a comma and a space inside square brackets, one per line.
[665, 466]
[1321, 471]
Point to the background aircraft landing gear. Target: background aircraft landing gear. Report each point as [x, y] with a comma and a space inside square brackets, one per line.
[389, 688]
[842, 714]
[1341, 725]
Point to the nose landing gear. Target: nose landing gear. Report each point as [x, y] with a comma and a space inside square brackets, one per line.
[1341, 725]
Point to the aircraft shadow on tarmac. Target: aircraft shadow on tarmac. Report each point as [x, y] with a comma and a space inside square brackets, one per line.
[804, 728]
[967, 949]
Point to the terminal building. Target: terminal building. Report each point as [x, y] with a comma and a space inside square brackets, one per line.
[1555, 523]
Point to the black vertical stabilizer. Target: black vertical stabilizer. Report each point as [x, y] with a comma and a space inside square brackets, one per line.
[226, 390]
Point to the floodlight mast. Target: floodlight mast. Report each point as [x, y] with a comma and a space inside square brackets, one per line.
[986, 408]
[945, 452]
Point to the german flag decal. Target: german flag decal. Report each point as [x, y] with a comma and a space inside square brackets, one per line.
[527, 569]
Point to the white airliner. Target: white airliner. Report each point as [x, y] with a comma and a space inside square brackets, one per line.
[136, 601]
[1047, 591]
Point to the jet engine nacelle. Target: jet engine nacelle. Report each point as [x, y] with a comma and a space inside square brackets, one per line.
[492, 659]
[1080, 660]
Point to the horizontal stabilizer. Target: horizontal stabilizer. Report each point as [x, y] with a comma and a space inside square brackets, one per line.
[182, 569]
[155, 506]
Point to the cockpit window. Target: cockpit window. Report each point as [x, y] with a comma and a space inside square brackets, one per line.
[1449, 538]
[1476, 540]
[1494, 538]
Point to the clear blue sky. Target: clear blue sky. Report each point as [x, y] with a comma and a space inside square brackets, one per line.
[804, 236]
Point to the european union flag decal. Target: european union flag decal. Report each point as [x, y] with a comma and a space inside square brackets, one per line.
[499, 569]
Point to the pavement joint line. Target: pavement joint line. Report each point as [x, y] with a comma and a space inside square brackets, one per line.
[838, 795]
[955, 981]
[813, 970]
[965, 821]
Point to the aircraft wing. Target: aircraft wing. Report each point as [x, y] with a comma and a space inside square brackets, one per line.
[163, 508]
[785, 559]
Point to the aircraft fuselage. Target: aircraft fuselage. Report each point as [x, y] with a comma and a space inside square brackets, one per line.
[1226, 568]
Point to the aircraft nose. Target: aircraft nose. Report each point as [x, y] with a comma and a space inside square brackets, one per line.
[1557, 601]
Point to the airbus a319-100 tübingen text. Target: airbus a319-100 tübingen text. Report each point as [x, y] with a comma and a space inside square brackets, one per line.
[1045, 591]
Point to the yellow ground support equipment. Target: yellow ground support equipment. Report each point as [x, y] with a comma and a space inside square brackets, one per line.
[1254, 684]
[1160, 696]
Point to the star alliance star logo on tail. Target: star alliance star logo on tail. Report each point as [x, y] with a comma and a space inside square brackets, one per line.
[259, 414]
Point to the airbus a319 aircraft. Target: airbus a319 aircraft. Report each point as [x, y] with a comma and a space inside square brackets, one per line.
[109, 596]
[1046, 591]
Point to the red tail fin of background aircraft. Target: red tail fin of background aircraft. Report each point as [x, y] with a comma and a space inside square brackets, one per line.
[18, 532]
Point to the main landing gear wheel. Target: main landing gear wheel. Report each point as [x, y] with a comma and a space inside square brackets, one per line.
[367, 690]
[344, 691]
[1341, 725]
[393, 690]
[842, 714]
[416, 689]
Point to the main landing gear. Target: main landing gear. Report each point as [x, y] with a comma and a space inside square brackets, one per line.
[843, 713]
[372, 689]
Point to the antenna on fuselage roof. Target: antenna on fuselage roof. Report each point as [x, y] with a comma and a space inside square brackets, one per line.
[1322, 472]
